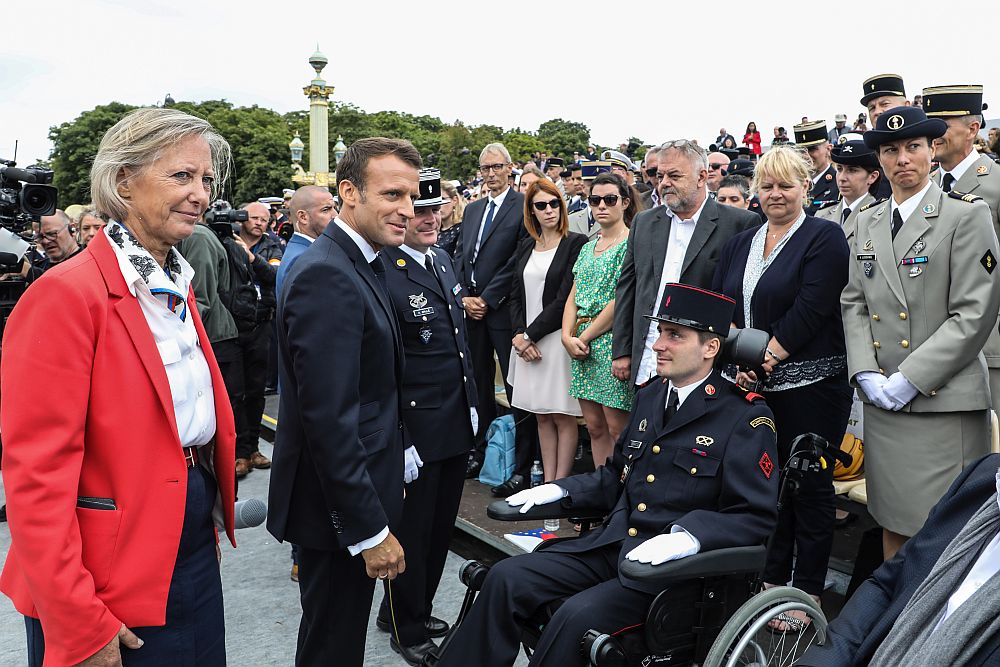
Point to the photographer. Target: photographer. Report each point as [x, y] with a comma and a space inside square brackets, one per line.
[56, 238]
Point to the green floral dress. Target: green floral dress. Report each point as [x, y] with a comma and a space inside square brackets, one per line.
[596, 278]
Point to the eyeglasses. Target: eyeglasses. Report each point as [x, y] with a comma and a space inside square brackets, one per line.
[487, 168]
[651, 171]
[49, 236]
[609, 200]
[540, 205]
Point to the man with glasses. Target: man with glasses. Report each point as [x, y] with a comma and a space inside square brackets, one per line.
[651, 197]
[56, 237]
[484, 258]
[677, 242]
[718, 164]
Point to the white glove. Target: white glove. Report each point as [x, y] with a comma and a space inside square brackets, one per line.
[474, 418]
[899, 390]
[542, 494]
[411, 464]
[660, 549]
[873, 384]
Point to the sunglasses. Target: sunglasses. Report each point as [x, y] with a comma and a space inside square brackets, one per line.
[716, 165]
[609, 200]
[651, 171]
[540, 205]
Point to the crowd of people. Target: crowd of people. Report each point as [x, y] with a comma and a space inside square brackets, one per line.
[601, 288]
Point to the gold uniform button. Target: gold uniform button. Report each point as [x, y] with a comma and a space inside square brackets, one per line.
[904, 343]
[876, 317]
[650, 478]
[902, 316]
[882, 371]
[656, 449]
[632, 532]
[694, 471]
[878, 345]
[641, 507]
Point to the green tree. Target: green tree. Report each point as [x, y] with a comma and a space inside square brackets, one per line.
[522, 145]
[562, 137]
[74, 146]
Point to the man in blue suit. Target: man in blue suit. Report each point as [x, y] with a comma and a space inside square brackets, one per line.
[337, 475]
[311, 209]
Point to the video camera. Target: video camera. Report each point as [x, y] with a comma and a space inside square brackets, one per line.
[223, 219]
[25, 195]
[745, 348]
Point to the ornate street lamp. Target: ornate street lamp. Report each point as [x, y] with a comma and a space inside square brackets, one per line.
[339, 149]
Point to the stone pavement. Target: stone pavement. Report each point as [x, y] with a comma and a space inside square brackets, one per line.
[262, 604]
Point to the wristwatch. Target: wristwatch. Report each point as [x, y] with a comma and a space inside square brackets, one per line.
[526, 337]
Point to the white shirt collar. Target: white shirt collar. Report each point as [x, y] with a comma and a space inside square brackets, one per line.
[963, 166]
[819, 175]
[366, 248]
[907, 207]
[304, 236]
[132, 277]
[685, 391]
[852, 204]
[693, 218]
[498, 200]
[416, 254]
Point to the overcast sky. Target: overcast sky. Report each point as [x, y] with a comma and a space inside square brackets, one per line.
[656, 70]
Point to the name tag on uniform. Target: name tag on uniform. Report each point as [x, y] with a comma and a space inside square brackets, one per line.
[456, 289]
[423, 311]
[867, 258]
[913, 260]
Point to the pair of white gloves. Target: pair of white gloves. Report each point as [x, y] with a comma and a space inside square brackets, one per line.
[889, 393]
[412, 463]
[656, 550]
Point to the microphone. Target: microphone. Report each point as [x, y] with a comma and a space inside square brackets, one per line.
[19, 174]
[250, 513]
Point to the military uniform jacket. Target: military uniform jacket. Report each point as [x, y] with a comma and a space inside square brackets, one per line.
[924, 303]
[438, 387]
[579, 223]
[824, 191]
[835, 213]
[712, 471]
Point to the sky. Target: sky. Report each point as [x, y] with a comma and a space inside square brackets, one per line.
[655, 70]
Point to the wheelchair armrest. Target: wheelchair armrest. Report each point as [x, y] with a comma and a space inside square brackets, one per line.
[499, 510]
[734, 560]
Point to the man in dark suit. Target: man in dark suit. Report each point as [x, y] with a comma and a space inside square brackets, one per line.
[875, 613]
[484, 257]
[439, 397]
[665, 500]
[678, 242]
[337, 476]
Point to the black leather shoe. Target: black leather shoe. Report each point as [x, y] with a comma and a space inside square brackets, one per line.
[472, 469]
[509, 488]
[435, 626]
[413, 655]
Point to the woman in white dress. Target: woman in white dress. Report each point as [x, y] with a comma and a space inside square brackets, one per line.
[539, 369]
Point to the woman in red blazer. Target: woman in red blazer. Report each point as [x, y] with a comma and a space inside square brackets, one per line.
[751, 139]
[118, 432]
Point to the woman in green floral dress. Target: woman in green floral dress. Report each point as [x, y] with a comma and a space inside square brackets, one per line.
[590, 310]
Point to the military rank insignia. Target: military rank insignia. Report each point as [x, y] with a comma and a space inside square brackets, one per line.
[766, 465]
[763, 421]
[989, 262]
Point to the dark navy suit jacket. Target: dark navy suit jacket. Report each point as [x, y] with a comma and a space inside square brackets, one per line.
[866, 619]
[337, 473]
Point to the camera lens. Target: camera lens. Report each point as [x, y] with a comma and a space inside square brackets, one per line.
[38, 200]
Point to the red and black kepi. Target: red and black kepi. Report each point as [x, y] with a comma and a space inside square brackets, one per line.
[696, 308]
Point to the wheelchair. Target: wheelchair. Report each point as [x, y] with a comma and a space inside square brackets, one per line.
[712, 610]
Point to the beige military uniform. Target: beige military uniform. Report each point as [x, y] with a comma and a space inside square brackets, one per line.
[922, 304]
[578, 224]
[835, 213]
[983, 180]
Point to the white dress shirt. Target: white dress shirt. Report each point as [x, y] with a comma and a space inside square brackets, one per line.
[681, 232]
[180, 350]
[498, 201]
[370, 254]
[418, 256]
[985, 568]
[961, 167]
[909, 205]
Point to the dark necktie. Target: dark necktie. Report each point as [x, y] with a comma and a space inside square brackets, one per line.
[947, 182]
[429, 263]
[844, 215]
[488, 221]
[671, 406]
[897, 222]
[379, 268]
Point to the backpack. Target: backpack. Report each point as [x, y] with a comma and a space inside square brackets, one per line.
[498, 465]
[240, 295]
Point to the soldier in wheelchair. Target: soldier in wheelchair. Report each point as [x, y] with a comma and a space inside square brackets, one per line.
[693, 472]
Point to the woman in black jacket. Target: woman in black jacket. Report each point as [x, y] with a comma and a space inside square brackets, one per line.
[539, 366]
[786, 278]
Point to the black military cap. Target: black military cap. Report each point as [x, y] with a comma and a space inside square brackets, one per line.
[944, 101]
[740, 167]
[730, 153]
[811, 133]
[554, 162]
[565, 173]
[696, 308]
[882, 85]
[903, 123]
[851, 150]
[430, 188]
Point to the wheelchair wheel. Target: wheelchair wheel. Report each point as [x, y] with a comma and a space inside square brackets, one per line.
[747, 641]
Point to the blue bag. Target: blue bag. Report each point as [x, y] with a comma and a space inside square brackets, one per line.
[498, 465]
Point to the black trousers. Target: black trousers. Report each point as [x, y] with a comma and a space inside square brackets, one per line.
[517, 587]
[805, 524]
[336, 596]
[483, 341]
[195, 631]
[245, 373]
[429, 513]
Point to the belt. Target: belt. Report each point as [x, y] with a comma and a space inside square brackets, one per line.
[190, 456]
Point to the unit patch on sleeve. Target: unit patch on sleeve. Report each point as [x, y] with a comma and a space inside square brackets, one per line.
[763, 421]
[766, 466]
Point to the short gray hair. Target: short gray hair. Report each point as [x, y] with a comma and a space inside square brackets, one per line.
[496, 147]
[138, 140]
[653, 151]
[692, 151]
